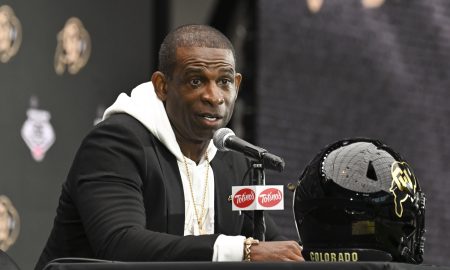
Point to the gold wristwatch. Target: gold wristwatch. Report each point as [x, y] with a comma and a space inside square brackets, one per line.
[247, 248]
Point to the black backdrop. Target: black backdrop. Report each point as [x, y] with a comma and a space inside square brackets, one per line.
[348, 70]
[121, 57]
[343, 71]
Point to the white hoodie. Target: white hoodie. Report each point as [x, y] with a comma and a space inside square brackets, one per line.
[147, 108]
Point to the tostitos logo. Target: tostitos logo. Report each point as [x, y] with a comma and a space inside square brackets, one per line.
[270, 197]
[244, 197]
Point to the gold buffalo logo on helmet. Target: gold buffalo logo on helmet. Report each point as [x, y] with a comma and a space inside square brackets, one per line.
[74, 47]
[9, 223]
[10, 33]
[403, 185]
[315, 5]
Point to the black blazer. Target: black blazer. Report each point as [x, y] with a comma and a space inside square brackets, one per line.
[123, 200]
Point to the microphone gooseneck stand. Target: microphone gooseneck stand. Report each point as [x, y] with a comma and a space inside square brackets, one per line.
[259, 223]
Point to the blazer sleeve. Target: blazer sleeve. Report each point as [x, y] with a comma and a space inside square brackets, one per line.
[105, 183]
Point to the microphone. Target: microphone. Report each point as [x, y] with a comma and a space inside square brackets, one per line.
[225, 139]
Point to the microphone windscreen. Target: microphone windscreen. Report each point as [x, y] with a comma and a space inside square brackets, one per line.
[219, 138]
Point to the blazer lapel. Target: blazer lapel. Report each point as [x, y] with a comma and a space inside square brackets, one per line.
[225, 220]
[173, 189]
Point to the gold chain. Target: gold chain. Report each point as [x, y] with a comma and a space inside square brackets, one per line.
[199, 218]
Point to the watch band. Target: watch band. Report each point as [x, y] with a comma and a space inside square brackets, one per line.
[247, 248]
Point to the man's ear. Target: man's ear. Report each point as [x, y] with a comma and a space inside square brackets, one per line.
[237, 82]
[160, 85]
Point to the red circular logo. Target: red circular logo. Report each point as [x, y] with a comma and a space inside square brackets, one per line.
[270, 197]
[244, 197]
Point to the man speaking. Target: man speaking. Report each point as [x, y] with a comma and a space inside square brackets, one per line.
[148, 184]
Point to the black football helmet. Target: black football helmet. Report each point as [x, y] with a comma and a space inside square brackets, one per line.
[358, 200]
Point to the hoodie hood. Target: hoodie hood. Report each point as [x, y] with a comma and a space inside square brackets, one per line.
[147, 108]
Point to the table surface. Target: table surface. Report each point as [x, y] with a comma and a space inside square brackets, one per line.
[68, 265]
